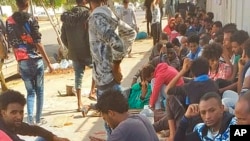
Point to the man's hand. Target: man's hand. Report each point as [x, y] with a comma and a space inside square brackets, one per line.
[95, 139]
[241, 64]
[144, 88]
[170, 138]
[51, 69]
[186, 64]
[225, 55]
[117, 72]
[193, 110]
[56, 138]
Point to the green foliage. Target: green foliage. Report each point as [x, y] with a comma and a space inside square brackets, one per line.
[12, 3]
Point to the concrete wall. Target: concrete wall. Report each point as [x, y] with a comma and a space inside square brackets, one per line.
[231, 11]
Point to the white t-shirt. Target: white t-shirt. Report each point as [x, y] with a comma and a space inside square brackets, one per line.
[127, 15]
[156, 14]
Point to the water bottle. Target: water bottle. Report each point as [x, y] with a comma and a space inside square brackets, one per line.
[148, 113]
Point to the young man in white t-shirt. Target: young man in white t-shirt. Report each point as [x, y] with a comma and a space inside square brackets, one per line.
[127, 14]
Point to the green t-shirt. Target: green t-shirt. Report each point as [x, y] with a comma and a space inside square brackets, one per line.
[134, 100]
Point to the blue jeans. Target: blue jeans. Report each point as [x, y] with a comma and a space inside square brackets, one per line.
[162, 98]
[40, 139]
[32, 73]
[229, 100]
[99, 93]
[79, 68]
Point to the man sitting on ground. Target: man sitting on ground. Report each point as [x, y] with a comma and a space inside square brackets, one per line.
[242, 109]
[126, 127]
[216, 120]
[11, 119]
[181, 96]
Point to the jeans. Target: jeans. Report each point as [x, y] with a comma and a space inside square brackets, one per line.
[156, 31]
[161, 101]
[79, 68]
[229, 99]
[98, 94]
[32, 73]
[40, 139]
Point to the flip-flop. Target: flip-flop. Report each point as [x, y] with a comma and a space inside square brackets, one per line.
[95, 114]
[85, 111]
[92, 98]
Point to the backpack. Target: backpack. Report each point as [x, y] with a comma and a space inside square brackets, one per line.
[3, 42]
[23, 49]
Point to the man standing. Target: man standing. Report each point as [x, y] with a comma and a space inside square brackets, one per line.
[76, 39]
[127, 14]
[25, 38]
[107, 48]
[11, 105]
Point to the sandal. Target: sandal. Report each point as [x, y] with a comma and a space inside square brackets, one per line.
[92, 98]
[85, 111]
[95, 114]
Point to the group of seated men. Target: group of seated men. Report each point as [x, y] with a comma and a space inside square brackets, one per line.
[200, 78]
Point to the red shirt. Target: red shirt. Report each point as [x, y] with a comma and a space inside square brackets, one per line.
[163, 75]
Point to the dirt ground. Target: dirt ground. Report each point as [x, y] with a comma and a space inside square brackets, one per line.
[60, 111]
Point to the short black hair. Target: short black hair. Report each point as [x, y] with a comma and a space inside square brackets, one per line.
[169, 45]
[193, 39]
[22, 3]
[200, 66]
[176, 42]
[205, 38]
[112, 100]
[246, 96]
[218, 24]
[159, 45]
[230, 28]
[182, 28]
[218, 37]
[247, 47]
[239, 36]
[210, 95]
[210, 15]
[212, 51]
[147, 70]
[125, 1]
[11, 96]
[79, 1]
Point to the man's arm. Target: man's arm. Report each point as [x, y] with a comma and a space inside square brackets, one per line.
[40, 48]
[185, 68]
[36, 36]
[135, 77]
[229, 87]
[192, 111]
[155, 92]
[64, 36]
[101, 26]
[31, 130]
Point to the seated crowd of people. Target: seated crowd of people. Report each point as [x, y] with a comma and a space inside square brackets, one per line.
[198, 76]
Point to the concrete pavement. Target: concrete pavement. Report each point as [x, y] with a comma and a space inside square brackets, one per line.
[60, 111]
